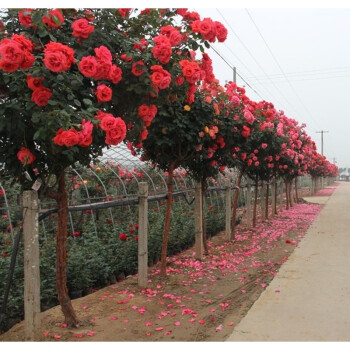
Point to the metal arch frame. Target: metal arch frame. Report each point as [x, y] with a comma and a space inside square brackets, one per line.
[88, 197]
[8, 211]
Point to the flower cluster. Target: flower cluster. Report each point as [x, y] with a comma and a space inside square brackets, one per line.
[16, 53]
[72, 137]
[210, 30]
[147, 113]
[82, 29]
[115, 128]
[100, 67]
[58, 57]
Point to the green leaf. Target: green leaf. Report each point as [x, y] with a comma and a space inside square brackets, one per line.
[77, 103]
[60, 77]
[87, 102]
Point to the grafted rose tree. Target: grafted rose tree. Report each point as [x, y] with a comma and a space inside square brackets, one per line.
[75, 81]
[291, 162]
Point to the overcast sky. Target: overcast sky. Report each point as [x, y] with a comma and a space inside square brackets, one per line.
[298, 59]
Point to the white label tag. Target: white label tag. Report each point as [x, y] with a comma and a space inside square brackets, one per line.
[36, 184]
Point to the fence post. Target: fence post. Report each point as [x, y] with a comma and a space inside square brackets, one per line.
[198, 212]
[249, 203]
[31, 265]
[228, 213]
[142, 240]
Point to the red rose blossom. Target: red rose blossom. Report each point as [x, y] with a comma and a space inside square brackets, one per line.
[25, 156]
[122, 237]
[55, 18]
[88, 66]
[137, 68]
[82, 28]
[103, 93]
[25, 18]
[58, 57]
[67, 138]
[41, 96]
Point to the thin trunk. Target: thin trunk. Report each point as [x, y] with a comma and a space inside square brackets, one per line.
[61, 254]
[235, 205]
[267, 201]
[296, 190]
[167, 219]
[255, 201]
[287, 195]
[205, 243]
[276, 189]
[290, 194]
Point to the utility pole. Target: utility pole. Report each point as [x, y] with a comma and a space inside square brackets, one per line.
[321, 132]
[234, 75]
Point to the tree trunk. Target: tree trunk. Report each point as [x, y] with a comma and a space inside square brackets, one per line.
[287, 195]
[296, 190]
[290, 193]
[61, 254]
[169, 203]
[267, 201]
[235, 205]
[204, 228]
[255, 201]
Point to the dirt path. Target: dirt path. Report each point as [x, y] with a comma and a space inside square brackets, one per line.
[199, 301]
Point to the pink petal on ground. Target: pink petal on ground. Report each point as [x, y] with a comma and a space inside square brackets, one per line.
[277, 291]
[219, 328]
[148, 334]
[167, 332]
[78, 335]
[230, 324]
[243, 291]
[177, 323]
[45, 334]
[212, 310]
[56, 336]
[90, 334]
[113, 318]
[201, 321]
[63, 325]
[158, 329]
[149, 324]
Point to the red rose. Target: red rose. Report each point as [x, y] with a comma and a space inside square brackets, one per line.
[85, 135]
[25, 18]
[76, 234]
[88, 66]
[25, 156]
[41, 95]
[108, 122]
[103, 93]
[103, 54]
[82, 28]
[102, 69]
[125, 57]
[160, 77]
[221, 32]
[8, 66]
[190, 70]
[28, 60]
[55, 18]
[33, 83]
[11, 52]
[162, 52]
[67, 138]
[122, 237]
[58, 57]
[137, 68]
[115, 74]
[117, 134]
[143, 134]
[147, 113]
[245, 131]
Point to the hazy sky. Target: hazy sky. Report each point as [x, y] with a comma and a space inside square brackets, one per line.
[298, 59]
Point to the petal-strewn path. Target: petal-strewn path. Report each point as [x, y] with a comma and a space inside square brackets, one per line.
[309, 299]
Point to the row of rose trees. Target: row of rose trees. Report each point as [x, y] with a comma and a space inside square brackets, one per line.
[73, 82]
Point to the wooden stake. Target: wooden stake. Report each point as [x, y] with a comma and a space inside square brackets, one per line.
[228, 213]
[31, 266]
[198, 212]
[142, 236]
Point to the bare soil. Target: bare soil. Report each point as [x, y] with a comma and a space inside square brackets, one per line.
[198, 301]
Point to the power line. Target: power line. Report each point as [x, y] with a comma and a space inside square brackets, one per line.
[259, 65]
[279, 66]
